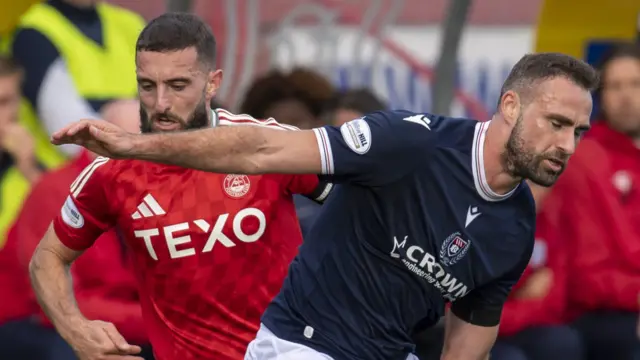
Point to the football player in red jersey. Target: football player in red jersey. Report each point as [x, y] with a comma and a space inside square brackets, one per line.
[211, 250]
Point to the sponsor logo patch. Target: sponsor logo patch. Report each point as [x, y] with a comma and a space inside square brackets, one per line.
[357, 135]
[70, 214]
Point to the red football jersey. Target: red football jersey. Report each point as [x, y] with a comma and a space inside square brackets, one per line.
[211, 250]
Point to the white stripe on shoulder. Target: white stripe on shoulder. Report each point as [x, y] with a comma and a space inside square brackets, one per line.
[228, 119]
[81, 180]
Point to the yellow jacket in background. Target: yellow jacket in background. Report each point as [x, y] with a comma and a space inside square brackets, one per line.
[98, 72]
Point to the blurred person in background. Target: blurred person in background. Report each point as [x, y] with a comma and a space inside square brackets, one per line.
[77, 55]
[103, 279]
[533, 325]
[19, 168]
[599, 196]
[296, 98]
[352, 104]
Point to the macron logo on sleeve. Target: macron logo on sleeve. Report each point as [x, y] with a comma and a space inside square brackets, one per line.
[420, 120]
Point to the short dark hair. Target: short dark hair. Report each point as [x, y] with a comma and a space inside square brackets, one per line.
[533, 68]
[362, 100]
[264, 92]
[176, 31]
[304, 85]
[8, 66]
[618, 51]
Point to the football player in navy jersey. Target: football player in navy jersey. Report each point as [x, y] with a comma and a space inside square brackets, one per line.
[429, 210]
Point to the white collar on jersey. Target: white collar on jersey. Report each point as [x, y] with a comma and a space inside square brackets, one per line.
[214, 118]
[477, 166]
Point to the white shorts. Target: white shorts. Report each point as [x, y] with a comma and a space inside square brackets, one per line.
[267, 346]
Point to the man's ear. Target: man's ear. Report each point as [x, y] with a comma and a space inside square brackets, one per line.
[510, 107]
[213, 83]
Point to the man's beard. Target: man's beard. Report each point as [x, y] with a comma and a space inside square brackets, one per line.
[521, 162]
[197, 120]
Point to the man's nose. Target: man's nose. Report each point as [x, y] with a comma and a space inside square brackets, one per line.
[163, 102]
[568, 142]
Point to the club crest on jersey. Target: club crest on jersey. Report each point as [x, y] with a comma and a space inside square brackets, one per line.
[453, 249]
[236, 186]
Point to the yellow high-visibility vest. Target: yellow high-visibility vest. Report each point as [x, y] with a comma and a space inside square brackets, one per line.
[14, 189]
[98, 72]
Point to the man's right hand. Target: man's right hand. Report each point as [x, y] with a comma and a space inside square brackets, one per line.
[98, 136]
[99, 340]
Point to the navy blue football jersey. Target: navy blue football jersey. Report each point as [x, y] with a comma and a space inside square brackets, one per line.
[411, 226]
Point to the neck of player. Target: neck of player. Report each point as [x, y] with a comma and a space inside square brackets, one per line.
[499, 180]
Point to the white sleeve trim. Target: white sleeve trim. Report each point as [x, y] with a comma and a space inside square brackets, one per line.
[59, 103]
[325, 192]
[324, 146]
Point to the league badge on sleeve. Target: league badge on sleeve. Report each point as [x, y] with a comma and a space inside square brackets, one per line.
[357, 135]
[70, 214]
[453, 249]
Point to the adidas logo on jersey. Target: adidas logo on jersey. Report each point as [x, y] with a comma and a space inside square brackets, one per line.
[149, 207]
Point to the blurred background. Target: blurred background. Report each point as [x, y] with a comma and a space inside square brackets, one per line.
[316, 62]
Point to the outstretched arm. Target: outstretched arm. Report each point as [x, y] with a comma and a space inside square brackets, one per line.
[373, 150]
[237, 149]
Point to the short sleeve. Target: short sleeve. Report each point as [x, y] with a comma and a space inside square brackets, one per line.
[376, 149]
[311, 186]
[86, 212]
[483, 306]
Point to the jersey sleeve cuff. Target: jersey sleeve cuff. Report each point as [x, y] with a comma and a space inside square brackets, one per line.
[321, 192]
[67, 239]
[324, 146]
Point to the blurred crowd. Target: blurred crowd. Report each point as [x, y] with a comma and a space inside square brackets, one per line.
[579, 298]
